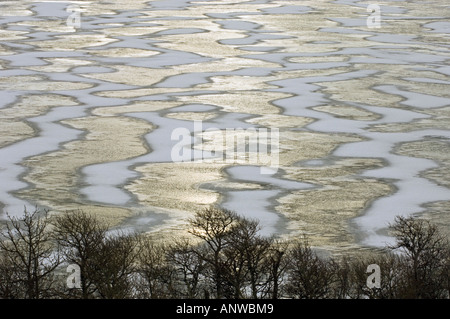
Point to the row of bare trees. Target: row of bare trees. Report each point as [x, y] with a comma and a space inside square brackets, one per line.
[227, 258]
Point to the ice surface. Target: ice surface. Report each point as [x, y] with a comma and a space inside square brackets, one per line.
[313, 55]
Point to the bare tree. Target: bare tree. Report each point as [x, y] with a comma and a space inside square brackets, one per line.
[188, 267]
[240, 262]
[342, 285]
[392, 276]
[277, 264]
[29, 256]
[446, 273]
[231, 260]
[250, 251]
[425, 250]
[309, 276]
[156, 274]
[81, 236]
[213, 225]
[114, 265]
[10, 287]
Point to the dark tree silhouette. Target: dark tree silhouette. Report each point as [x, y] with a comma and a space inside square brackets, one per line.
[28, 257]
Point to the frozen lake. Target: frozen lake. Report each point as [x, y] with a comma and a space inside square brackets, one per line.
[94, 94]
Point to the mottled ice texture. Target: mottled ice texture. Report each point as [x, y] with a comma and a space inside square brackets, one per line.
[306, 56]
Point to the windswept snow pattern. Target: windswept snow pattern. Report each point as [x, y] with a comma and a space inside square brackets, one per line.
[91, 92]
